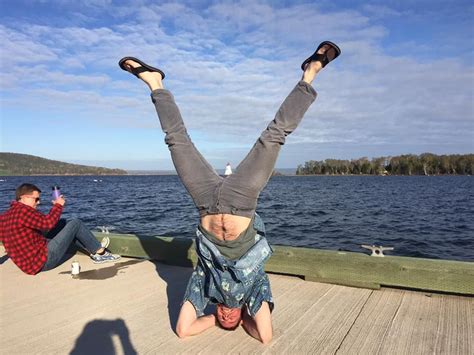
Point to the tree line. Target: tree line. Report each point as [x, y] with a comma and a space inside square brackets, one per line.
[410, 164]
[24, 164]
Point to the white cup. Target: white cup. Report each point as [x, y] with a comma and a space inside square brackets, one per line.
[75, 269]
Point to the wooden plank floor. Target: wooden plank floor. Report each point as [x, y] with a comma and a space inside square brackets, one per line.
[132, 306]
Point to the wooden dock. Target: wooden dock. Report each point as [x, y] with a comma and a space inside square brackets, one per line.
[131, 307]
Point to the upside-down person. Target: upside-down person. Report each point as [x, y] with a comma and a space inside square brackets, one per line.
[230, 238]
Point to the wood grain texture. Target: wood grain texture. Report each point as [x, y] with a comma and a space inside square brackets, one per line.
[132, 306]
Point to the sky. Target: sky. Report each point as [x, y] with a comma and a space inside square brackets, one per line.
[403, 84]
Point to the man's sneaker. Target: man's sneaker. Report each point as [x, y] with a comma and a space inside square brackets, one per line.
[104, 258]
[105, 242]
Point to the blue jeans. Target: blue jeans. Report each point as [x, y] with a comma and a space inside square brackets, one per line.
[63, 236]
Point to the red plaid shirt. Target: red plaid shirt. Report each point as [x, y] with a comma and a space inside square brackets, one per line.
[20, 232]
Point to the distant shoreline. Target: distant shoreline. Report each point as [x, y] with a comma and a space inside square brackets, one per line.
[388, 175]
[426, 164]
[16, 164]
[15, 175]
[2, 177]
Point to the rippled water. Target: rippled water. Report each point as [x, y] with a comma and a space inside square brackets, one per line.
[423, 216]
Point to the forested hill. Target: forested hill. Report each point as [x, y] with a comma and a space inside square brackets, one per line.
[410, 164]
[23, 164]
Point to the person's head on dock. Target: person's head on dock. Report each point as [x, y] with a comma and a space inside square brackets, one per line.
[228, 318]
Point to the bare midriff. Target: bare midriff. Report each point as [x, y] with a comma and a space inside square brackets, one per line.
[225, 226]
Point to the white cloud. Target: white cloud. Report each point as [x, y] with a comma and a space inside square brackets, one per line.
[17, 47]
[381, 11]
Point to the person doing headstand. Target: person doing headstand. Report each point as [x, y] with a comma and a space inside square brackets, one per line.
[230, 238]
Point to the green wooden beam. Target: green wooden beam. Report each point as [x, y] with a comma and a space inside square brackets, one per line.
[343, 268]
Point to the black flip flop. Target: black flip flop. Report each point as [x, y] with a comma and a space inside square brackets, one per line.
[325, 57]
[143, 68]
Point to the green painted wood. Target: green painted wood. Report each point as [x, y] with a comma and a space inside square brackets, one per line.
[351, 283]
[417, 273]
[174, 251]
[343, 268]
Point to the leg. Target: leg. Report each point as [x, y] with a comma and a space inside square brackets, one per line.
[241, 189]
[58, 228]
[259, 326]
[58, 245]
[189, 324]
[197, 175]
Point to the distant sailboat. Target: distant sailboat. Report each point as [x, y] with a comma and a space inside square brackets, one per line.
[228, 170]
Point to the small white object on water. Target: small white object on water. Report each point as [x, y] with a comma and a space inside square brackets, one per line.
[75, 269]
[377, 250]
[228, 170]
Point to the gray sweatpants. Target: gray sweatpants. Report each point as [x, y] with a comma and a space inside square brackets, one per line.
[237, 193]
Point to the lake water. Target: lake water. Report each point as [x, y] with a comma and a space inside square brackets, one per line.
[421, 216]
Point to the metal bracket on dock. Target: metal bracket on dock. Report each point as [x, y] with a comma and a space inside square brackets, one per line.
[377, 250]
[105, 229]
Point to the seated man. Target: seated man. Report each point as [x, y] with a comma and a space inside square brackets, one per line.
[230, 241]
[21, 227]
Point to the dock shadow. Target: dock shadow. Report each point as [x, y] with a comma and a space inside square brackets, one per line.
[96, 338]
[105, 272]
[176, 278]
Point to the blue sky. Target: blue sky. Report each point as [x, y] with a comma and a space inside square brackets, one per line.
[403, 84]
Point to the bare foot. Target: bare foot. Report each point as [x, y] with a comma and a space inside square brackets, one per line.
[314, 67]
[152, 79]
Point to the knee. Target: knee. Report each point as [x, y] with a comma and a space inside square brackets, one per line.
[75, 222]
[176, 135]
[275, 135]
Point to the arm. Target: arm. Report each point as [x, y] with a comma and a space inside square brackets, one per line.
[36, 220]
[2, 216]
[189, 324]
[260, 326]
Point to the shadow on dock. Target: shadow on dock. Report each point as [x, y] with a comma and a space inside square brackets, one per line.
[175, 251]
[96, 338]
[105, 272]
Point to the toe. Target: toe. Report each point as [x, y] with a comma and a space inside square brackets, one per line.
[129, 64]
[331, 53]
[323, 49]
